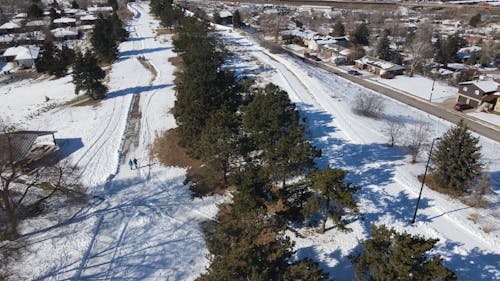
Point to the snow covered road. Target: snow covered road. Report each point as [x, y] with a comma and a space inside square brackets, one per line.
[389, 182]
[143, 225]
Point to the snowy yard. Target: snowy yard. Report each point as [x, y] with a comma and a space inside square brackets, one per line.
[420, 86]
[389, 183]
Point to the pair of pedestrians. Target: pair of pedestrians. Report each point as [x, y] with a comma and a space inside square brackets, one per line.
[133, 163]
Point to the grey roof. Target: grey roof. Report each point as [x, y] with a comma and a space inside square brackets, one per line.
[18, 144]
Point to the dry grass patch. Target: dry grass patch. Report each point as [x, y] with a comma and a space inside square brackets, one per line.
[432, 184]
[164, 31]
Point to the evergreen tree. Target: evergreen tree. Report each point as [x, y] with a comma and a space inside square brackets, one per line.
[55, 61]
[114, 4]
[304, 270]
[334, 197]
[272, 123]
[103, 40]
[383, 48]
[338, 29]
[441, 55]
[74, 5]
[457, 159]
[475, 20]
[203, 86]
[53, 14]
[361, 35]
[219, 142]
[88, 76]
[119, 33]
[454, 43]
[389, 255]
[237, 22]
[34, 11]
[216, 17]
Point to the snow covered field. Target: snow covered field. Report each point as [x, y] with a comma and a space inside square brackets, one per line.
[420, 86]
[144, 224]
[389, 184]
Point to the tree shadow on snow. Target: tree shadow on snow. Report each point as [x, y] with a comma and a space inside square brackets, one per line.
[136, 90]
[132, 53]
[141, 246]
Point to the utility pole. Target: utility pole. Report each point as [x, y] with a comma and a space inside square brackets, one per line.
[423, 180]
[433, 82]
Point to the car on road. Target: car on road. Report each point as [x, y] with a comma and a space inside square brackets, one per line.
[462, 106]
[354, 72]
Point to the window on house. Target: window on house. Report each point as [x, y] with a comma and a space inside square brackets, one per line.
[476, 92]
[465, 89]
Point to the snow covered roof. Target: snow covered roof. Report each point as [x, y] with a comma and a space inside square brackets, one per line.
[21, 16]
[100, 9]
[65, 20]
[470, 49]
[9, 25]
[22, 52]
[302, 33]
[37, 23]
[385, 65]
[486, 86]
[62, 32]
[225, 14]
[88, 17]
[7, 38]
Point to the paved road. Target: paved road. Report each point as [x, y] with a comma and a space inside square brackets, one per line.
[479, 126]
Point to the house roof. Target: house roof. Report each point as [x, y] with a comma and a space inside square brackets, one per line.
[100, 9]
[486, 86]
[9, 25]
[19, 143]
[225, 14]
[385, 65]
[61, 32]
[22, 52]
[37, 23]
[65, 20]
[88, 17]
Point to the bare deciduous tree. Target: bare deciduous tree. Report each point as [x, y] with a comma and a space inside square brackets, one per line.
[417, 135]
[273, 24]
[25, 188]
[420, 47]
[394, 129]
[482, 188]
[368, 105]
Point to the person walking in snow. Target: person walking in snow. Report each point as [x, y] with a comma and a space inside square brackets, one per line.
[135, 163]
[130, 163]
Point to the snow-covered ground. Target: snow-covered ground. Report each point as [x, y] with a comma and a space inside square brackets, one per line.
[389, 183]
[420, 86]
[143, 225]
[488, 117]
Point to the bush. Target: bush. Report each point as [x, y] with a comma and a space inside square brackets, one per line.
[368, 105]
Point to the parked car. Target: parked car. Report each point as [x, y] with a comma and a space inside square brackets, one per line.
[311, 56]
[353, 72]
[462, 106]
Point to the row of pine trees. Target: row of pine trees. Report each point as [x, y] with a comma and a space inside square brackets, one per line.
[254, 140]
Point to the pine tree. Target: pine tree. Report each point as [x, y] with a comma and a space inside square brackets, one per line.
[34, 11]
[334, 197]
[216, 18]
[103, 40]
[475, 20]
[361, 35]
[88, 76]
[273, 125]
[389, 255]
[383, 48]
[441, 55]
[114, 4]
[74, 5]
[457, 159]
[55, 61]
[237, 22]
[119, 33]
[338, 29]
[219, 142]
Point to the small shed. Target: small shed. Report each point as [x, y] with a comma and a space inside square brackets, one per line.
[21, 147]
[10, 27]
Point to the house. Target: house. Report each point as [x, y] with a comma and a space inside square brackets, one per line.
[62, 34]
[23, 56]
[226, 17]
[26, 147]
[380, 67]
[107, 10]
[473, 92]
[10, 27]
[65, 22]
[87, 19]
[36, 25]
